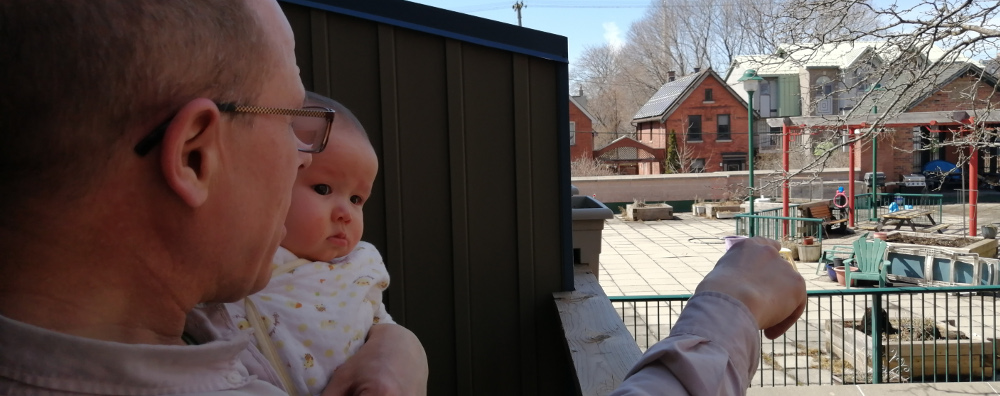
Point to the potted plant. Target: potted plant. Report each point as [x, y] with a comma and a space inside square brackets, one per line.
[810, 252]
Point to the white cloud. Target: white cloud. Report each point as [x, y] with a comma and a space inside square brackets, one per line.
[613, 35]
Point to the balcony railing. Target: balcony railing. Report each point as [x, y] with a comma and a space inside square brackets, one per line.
[776, 227]
[943, 334]
[863, 207]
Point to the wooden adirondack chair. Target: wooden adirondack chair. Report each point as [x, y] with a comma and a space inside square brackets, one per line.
[836, 251]
[869, 257]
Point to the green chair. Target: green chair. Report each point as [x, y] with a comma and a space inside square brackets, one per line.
[828, 255]
[869, 257]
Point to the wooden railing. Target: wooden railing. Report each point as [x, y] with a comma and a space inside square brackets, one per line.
[601, 347]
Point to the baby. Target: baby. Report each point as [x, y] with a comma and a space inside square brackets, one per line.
[326, 287]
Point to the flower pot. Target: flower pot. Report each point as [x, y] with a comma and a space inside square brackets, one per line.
[699, 210]
[831, 273]
[732, 240]
[841, 278]
[810, 253]
[808, 241]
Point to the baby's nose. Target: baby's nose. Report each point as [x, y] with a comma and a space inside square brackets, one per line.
[341, 213]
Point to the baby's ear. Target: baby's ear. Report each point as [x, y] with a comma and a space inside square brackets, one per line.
[190, 154]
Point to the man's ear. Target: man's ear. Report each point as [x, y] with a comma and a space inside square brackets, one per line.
[190, 154]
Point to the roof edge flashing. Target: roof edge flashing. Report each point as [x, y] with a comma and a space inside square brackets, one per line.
[450, 24]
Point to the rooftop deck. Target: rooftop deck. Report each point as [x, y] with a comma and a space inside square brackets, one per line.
[671, 257]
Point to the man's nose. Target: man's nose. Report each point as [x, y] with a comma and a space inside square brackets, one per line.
[305, 159]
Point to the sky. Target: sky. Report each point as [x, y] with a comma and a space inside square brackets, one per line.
[583, 22]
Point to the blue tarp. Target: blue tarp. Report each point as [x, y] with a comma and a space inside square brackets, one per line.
[941, 167]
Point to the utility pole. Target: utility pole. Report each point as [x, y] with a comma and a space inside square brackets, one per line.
[517, 8]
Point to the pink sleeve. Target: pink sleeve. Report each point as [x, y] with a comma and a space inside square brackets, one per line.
[712, 350]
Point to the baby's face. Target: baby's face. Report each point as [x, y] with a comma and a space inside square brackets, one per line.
[325, 220]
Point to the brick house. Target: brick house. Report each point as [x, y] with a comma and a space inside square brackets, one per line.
[831, 81]
[954, 87]
[708, 118]
[581, 129]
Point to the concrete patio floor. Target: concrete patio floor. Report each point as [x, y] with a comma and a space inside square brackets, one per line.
[671, 257]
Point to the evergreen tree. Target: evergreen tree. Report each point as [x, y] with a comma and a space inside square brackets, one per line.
[672, 160]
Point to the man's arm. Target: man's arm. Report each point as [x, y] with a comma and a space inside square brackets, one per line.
[714, 346]
[391, 362]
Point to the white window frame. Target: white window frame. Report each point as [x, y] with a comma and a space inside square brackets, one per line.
[572, 133]
[697, 169]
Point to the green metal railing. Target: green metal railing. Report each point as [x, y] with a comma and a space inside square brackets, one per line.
[863, 211]
[774, 227]
[769, 212]
[829, 345]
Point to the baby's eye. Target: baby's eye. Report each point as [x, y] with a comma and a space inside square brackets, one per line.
[357, 200]
[322, 189]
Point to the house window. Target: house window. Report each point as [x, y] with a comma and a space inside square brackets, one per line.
[694, 128]
[698, 165]
[708, 95]
[572, 133]
[722, 126]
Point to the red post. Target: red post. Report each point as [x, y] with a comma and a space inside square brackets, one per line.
[973, 189]
[785, 132]
[850, 179]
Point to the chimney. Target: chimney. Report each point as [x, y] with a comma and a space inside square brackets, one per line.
[670, 75]
[581, 91]
[697, 69]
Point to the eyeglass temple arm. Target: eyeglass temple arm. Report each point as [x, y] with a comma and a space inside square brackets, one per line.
[153, 138]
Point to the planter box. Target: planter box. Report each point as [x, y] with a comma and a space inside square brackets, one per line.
[649, 212]
[928, 265]
[983, 247]
[725, 215]
[921, 358]
[712, 209]
[589, 215]
[972, 264]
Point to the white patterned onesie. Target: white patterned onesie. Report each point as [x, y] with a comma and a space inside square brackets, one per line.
[319, 314]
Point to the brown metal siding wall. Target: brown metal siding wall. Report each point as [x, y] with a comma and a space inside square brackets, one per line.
[465, 210]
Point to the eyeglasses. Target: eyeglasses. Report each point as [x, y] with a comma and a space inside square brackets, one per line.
[311, 125]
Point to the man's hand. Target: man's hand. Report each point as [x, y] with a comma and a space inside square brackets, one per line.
[753, 272]
[391, 362]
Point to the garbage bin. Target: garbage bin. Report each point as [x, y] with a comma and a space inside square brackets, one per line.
[589, 215]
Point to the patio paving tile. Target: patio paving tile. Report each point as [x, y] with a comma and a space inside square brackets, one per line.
[672, 257]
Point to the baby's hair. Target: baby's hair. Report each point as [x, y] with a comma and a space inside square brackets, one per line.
[343, 113]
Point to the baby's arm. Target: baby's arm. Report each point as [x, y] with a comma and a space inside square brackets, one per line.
[391, 362]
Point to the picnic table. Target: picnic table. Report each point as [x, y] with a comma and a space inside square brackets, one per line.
[906, 217]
